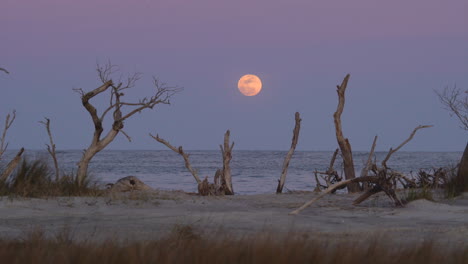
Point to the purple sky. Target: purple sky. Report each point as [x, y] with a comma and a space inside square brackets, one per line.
[397, 52]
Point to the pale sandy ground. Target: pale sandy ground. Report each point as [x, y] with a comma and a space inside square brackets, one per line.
[143, 216]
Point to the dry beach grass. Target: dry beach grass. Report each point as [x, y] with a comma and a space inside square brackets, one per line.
[184, 245]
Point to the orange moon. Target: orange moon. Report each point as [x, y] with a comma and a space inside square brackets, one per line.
[249, 85]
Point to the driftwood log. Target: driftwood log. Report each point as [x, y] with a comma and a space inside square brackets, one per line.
[295, 138]
[343, 142]
[383, 180]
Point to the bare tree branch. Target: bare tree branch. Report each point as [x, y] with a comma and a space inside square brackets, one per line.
[455, 103]
[51, 147]
[10, 118]
[116, 107]
[182, 153]
[391, 151]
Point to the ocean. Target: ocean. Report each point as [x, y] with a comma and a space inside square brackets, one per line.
[253, 172]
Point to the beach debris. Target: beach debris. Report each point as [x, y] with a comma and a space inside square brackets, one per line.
[295, 138]
[222, 184]
[129, 183]
[383, 179]
[343, 142]
[330, 176]
[161, 95]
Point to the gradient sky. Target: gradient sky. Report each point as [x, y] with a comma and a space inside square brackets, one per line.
[397, 52]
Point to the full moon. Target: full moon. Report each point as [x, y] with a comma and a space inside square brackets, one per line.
[249, 85]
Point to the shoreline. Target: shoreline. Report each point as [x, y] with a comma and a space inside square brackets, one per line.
[137, 216]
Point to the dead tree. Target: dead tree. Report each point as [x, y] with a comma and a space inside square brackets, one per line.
[343, 142]
[10, 118]
[295, 138]
[51, 147]
[457, 104]
[116, 106]
[226, 152]
[180, 151]
[382, 180]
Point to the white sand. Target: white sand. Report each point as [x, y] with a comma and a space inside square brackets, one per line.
[151, 215]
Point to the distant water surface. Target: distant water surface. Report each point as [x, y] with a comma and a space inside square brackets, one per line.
[253, 172]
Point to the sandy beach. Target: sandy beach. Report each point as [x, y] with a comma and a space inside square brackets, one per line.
[149, 215]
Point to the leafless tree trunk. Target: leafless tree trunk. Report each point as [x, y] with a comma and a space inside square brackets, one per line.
[180, 151]
[226, 152]
[462, 174]
[51, 147]
[295, 138]
[11, 166]
[161, 96]
[8, 122]
[457, 104]
[342, 141]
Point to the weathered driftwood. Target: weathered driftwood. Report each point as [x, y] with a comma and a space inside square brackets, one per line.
[129, 183]
[11, 166]
[368, 165]
[295, 138]
[51, 147]
[391, 151]
[330, 176]
[8, 122]
[220, 182]
[180, 151]
[160, 96]
[343, 142]
[226, 152]
[384, 180]
[212, 189]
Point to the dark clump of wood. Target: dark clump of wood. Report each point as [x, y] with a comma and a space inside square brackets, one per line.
[382, 179]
